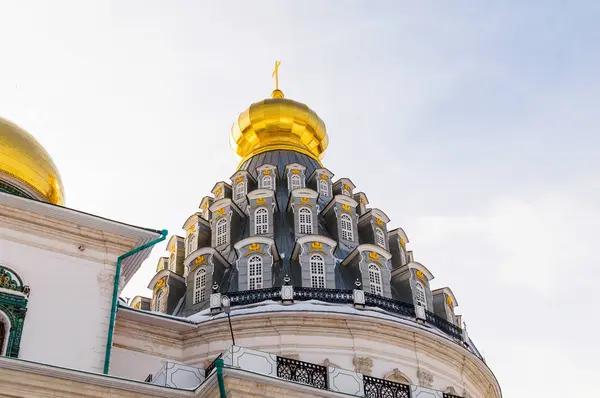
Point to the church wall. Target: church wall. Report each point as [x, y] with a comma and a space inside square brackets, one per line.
[67, 291]
[134, 365]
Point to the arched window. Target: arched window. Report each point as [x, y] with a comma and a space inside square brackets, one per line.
[379, 237]
[261, 221]
[4, 332]
[255, 280]
[305, 221]
[375, 279]
[347, 232]
[324, 188]
[200, 286]
[172, 264]
[295, 182]
[160, 300]
[267, 182]
[221, 232]
[420, 294]
[317, 271]
[191, 243]
[240, 190]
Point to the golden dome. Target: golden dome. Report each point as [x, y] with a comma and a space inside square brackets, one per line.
[279, 123]
[26, 166]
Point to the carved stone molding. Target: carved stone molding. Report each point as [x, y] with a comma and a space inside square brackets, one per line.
[290, 355]
[425, 378]
[363, 365]
[397, 376]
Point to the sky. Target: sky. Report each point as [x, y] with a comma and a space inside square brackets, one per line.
[474, 126]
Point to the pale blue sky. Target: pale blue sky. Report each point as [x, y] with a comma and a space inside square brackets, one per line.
[473, 126]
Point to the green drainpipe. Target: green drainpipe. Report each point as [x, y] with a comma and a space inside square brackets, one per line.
[219, 366]
[113, 309]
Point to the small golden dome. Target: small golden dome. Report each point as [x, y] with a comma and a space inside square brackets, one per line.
[279, 123]
[25, 165]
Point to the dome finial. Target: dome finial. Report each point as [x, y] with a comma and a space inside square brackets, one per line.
[277, 93]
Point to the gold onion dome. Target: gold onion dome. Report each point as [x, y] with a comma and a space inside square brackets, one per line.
[279, 123]
[26, 166]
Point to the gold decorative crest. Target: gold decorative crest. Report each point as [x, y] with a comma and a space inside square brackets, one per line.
[204, 205]
[317, 245]
[239, 179]
[449, 301]
[402, 242]
[192, 228]
[345, 207]
[221, 211]
[295, 171]
[420, 274]
[159, 284]
[267, 172]
[323, 176]
[373, 255]
[200, 260]
[347, 187]
[362, 201]
[254, 247]
[260, 200]
[172, 248]
[378, 221]
[219, 191]
[304, 200]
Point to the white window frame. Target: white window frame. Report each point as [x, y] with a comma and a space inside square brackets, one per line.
[295, 182]
[159, 300]
[200, 286]
[240, 190]
[324, 187]
[268, 178]
[420, 296]
[317, 271]
[191, 243]
[375, 279]
[379, 237]
[347, 227]
[261, 221]
[255, 271]
[305, 220]
[222, 232]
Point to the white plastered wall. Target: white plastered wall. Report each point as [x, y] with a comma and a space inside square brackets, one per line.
[69, 304]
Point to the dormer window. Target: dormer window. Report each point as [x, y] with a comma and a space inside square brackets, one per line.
[345, 192]
[240, 190]
[261, 221]
[200, 286]
[379, 237]
[317, 271]
[324, 188]
[255, 265]
[420, 294]
[305, 221]
[267, 182]
[295, 182]
[346, 227]
[375, 280]
[221, 232]
[191, 243]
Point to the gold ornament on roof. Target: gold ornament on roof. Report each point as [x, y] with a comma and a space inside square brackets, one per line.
[420, 274]
[260, 200]
[278, 123]
[402, 242]
[221, 211]
[347, 187]
[239, 179]
[159, 284]
[267, 172]
[317, 245]
[25, 164]
[295, 171]
[304, 200]
[323, 176]
[192, 228]
[449, 301]
[345, 207]
[373, 255]
[219, 191]
[254, 247]
[378, 221]
[199, 260]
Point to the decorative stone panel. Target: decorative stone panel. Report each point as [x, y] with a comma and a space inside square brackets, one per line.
[345, 381]
[424, 392]
[254, 361]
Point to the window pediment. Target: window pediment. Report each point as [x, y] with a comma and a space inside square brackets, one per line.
[257, 245]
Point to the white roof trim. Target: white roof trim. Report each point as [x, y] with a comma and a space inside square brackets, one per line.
[312, 238]
[162, 273]
[203, 252]
[367, 247]
[422, 268]
[377, 214]
[295, 166]
[261, 193]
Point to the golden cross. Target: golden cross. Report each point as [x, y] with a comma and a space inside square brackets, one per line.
[276, 74]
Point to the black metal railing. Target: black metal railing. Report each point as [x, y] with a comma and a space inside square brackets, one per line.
[211, 367]
[448, 395]
[444, 325]
[388, 304]
[302, 372]
[254, 296]
[328, 295]
[149, 378]
[379, 388]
